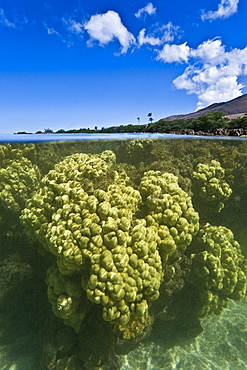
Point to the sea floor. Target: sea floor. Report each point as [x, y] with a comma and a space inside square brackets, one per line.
[221, 346]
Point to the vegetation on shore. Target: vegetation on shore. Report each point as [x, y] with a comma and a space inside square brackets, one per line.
[210, 123]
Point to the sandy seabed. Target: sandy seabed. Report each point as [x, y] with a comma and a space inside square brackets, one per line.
[221, 346]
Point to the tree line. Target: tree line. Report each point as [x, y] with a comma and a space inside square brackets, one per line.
[207, 123]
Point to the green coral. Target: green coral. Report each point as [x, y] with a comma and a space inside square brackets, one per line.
[169, 209]
[18, 181]
[212, 186]
[135, 151]
[56, 211]
[219, 270]
[111, 234]
[66, 297]
[126, 272]
[4, 150]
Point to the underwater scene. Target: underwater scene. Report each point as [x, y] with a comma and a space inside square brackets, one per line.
[123, 254]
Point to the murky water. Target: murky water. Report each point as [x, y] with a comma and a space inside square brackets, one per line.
[123, 252]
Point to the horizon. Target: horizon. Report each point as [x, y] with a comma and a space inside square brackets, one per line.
[77, 64]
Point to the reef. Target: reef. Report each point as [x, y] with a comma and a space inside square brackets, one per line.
[213, 189]
[19, 178]
[116, 237]
[130, 248]
[218, 271]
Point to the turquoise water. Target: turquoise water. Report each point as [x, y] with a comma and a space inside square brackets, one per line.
[123, 252]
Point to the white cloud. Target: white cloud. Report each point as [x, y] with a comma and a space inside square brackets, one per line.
[148, 9]
[224, 89]
[50, 30]
[107, 27]
[225, 9]
[174, 53]
[67, 39]
[212, 72]
[73, 26]
[142, 39]
[208, 50]
[74, 29]
[4, 21]
[170, 32]
[159, 36]
[17, 22]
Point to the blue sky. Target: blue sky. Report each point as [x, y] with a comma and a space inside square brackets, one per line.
[76, 63]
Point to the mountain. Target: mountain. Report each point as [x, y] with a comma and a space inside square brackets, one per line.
[237, 106]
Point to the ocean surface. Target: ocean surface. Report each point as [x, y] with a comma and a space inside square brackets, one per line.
[123, 251]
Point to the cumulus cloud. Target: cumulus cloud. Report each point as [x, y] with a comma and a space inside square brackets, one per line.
[174, 53]
[208, 50]
[4, 21]
[225, 9]
[148, 9]
[212, 72]
[107, 27]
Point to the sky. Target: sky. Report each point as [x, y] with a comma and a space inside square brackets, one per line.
[99, 63]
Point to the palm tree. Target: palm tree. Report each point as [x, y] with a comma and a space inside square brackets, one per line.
[150, 117]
